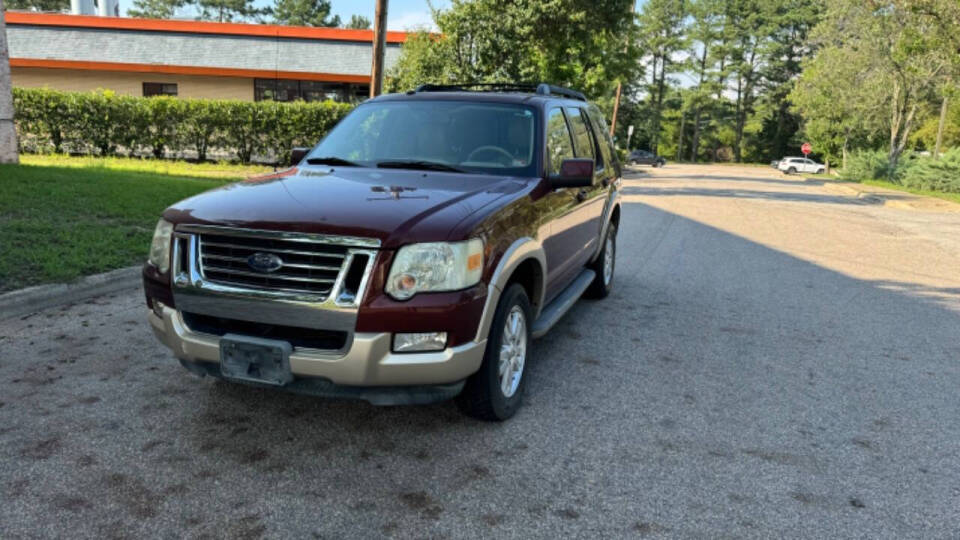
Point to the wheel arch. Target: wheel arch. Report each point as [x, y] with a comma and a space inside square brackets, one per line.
[523, 262]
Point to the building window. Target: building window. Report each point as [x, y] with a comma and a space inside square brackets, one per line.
[159, 89]
[288, 90]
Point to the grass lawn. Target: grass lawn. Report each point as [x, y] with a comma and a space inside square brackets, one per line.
[62, 218]
[954, 197]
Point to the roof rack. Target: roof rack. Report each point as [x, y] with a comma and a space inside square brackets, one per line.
[542, 89]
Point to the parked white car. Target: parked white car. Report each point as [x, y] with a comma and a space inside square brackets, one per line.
[793, 165]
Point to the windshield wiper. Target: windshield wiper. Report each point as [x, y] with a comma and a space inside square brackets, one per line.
[420, 165]
[331, 160]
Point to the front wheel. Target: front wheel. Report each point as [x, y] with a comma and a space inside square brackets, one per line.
[820, 171]
[604, 266]
[495, 391]
[791, 170]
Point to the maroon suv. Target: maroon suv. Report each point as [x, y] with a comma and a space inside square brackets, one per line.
[409, 257]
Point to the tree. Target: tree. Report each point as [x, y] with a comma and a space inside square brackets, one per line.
[8, 134]
[156, 9]
[897, 51]
[662, 37]
[702, 33]
[837, 110]
[39, 5]
[576, 43]
[783, 52]
[358, 22]
[304, 13]
[229, 10]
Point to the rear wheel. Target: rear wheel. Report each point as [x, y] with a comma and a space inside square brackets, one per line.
[495, 391]
[604, 266]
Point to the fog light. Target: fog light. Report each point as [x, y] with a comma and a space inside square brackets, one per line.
[419, 342]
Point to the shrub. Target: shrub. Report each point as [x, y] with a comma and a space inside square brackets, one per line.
[202, 125]
[913, 171]
[161, 121]
[105, 123]
[941, 174]
[868, 165]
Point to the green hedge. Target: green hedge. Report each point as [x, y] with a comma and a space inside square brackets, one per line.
[913, 171]
[106, 123]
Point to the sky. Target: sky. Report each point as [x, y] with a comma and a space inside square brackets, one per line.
[401, 14]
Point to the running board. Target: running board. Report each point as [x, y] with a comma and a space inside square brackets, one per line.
[562, 303]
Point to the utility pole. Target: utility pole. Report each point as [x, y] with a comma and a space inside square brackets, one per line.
[379, 47]
[8, 134]
[616, 102]
[943, 120]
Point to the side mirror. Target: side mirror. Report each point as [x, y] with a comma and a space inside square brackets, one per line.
[574, 173]
[297, 155]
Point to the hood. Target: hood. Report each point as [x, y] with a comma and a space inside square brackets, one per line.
[395, 206]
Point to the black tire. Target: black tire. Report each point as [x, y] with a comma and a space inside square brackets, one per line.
[632, 162]
[820, 170]
[602, 285]
[483, 396]
[791, 170]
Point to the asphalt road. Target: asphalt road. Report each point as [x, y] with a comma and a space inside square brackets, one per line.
[778, 360]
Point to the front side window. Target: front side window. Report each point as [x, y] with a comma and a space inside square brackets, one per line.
[492, 138]
[559, 143]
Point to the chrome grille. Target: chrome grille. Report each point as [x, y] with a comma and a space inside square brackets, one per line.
[311, 264]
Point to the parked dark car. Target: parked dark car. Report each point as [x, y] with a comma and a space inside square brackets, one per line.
[642, 157]
[410, 257]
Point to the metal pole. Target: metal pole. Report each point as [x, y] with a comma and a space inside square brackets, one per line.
[379, 46]
[8, 133]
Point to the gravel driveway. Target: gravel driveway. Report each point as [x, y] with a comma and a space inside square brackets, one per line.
[778, 359]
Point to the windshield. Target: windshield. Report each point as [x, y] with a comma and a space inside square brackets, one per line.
[491, 138]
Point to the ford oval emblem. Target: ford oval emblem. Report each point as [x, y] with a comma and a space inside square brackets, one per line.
[264, 262]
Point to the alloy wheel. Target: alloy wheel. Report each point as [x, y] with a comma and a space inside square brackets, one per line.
[513, 351]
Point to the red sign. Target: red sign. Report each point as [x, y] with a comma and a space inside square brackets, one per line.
[806, 148]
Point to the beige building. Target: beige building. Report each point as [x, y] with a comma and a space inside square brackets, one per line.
[145, 57]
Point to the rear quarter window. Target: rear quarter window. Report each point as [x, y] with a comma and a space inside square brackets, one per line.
[603, 134]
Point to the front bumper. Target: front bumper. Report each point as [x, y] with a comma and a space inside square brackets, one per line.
[366, 361]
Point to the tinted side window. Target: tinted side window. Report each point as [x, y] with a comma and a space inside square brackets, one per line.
[559, 143]
[603, 134]
[583, 143]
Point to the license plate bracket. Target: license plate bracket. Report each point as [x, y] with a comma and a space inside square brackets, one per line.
[251, 359]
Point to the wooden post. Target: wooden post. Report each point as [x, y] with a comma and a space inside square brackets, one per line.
[8, 133]
[379, 46]
[616, 107]
[943, 120]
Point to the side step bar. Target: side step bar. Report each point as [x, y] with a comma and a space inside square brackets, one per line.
[562, 303]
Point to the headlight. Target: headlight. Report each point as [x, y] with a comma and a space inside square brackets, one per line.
[160, 248]
[435, 267]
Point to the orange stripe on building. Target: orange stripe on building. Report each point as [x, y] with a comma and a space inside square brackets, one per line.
[187, 70]
[197, 27]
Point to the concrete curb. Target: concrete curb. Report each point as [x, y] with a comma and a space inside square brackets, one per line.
[32, 299]
[895, 199]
